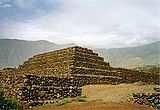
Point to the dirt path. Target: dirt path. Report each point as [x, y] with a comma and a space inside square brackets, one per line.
[115, 93]
[95, 106]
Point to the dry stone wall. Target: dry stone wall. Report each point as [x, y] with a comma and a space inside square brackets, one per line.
[40, 89]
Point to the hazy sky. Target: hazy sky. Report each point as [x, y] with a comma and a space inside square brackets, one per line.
[96, 23]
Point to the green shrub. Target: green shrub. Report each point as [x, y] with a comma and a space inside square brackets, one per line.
[8, 104]
[80, 99]
[62, 102]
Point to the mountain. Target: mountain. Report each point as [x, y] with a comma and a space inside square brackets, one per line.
[14, 52]
[131, 57]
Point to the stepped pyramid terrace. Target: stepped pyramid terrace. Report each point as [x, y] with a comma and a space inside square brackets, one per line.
[62, 73]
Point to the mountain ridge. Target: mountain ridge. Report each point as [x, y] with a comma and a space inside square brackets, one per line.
[140, 55]
[14, 52]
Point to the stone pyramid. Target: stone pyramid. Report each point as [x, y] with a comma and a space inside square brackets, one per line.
[62, 73]
[65, 62]
[80, 63]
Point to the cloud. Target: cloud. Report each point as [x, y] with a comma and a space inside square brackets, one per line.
[6, 6]
[24, 31]
[37, 5]
[3, 4]
[96, 23]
